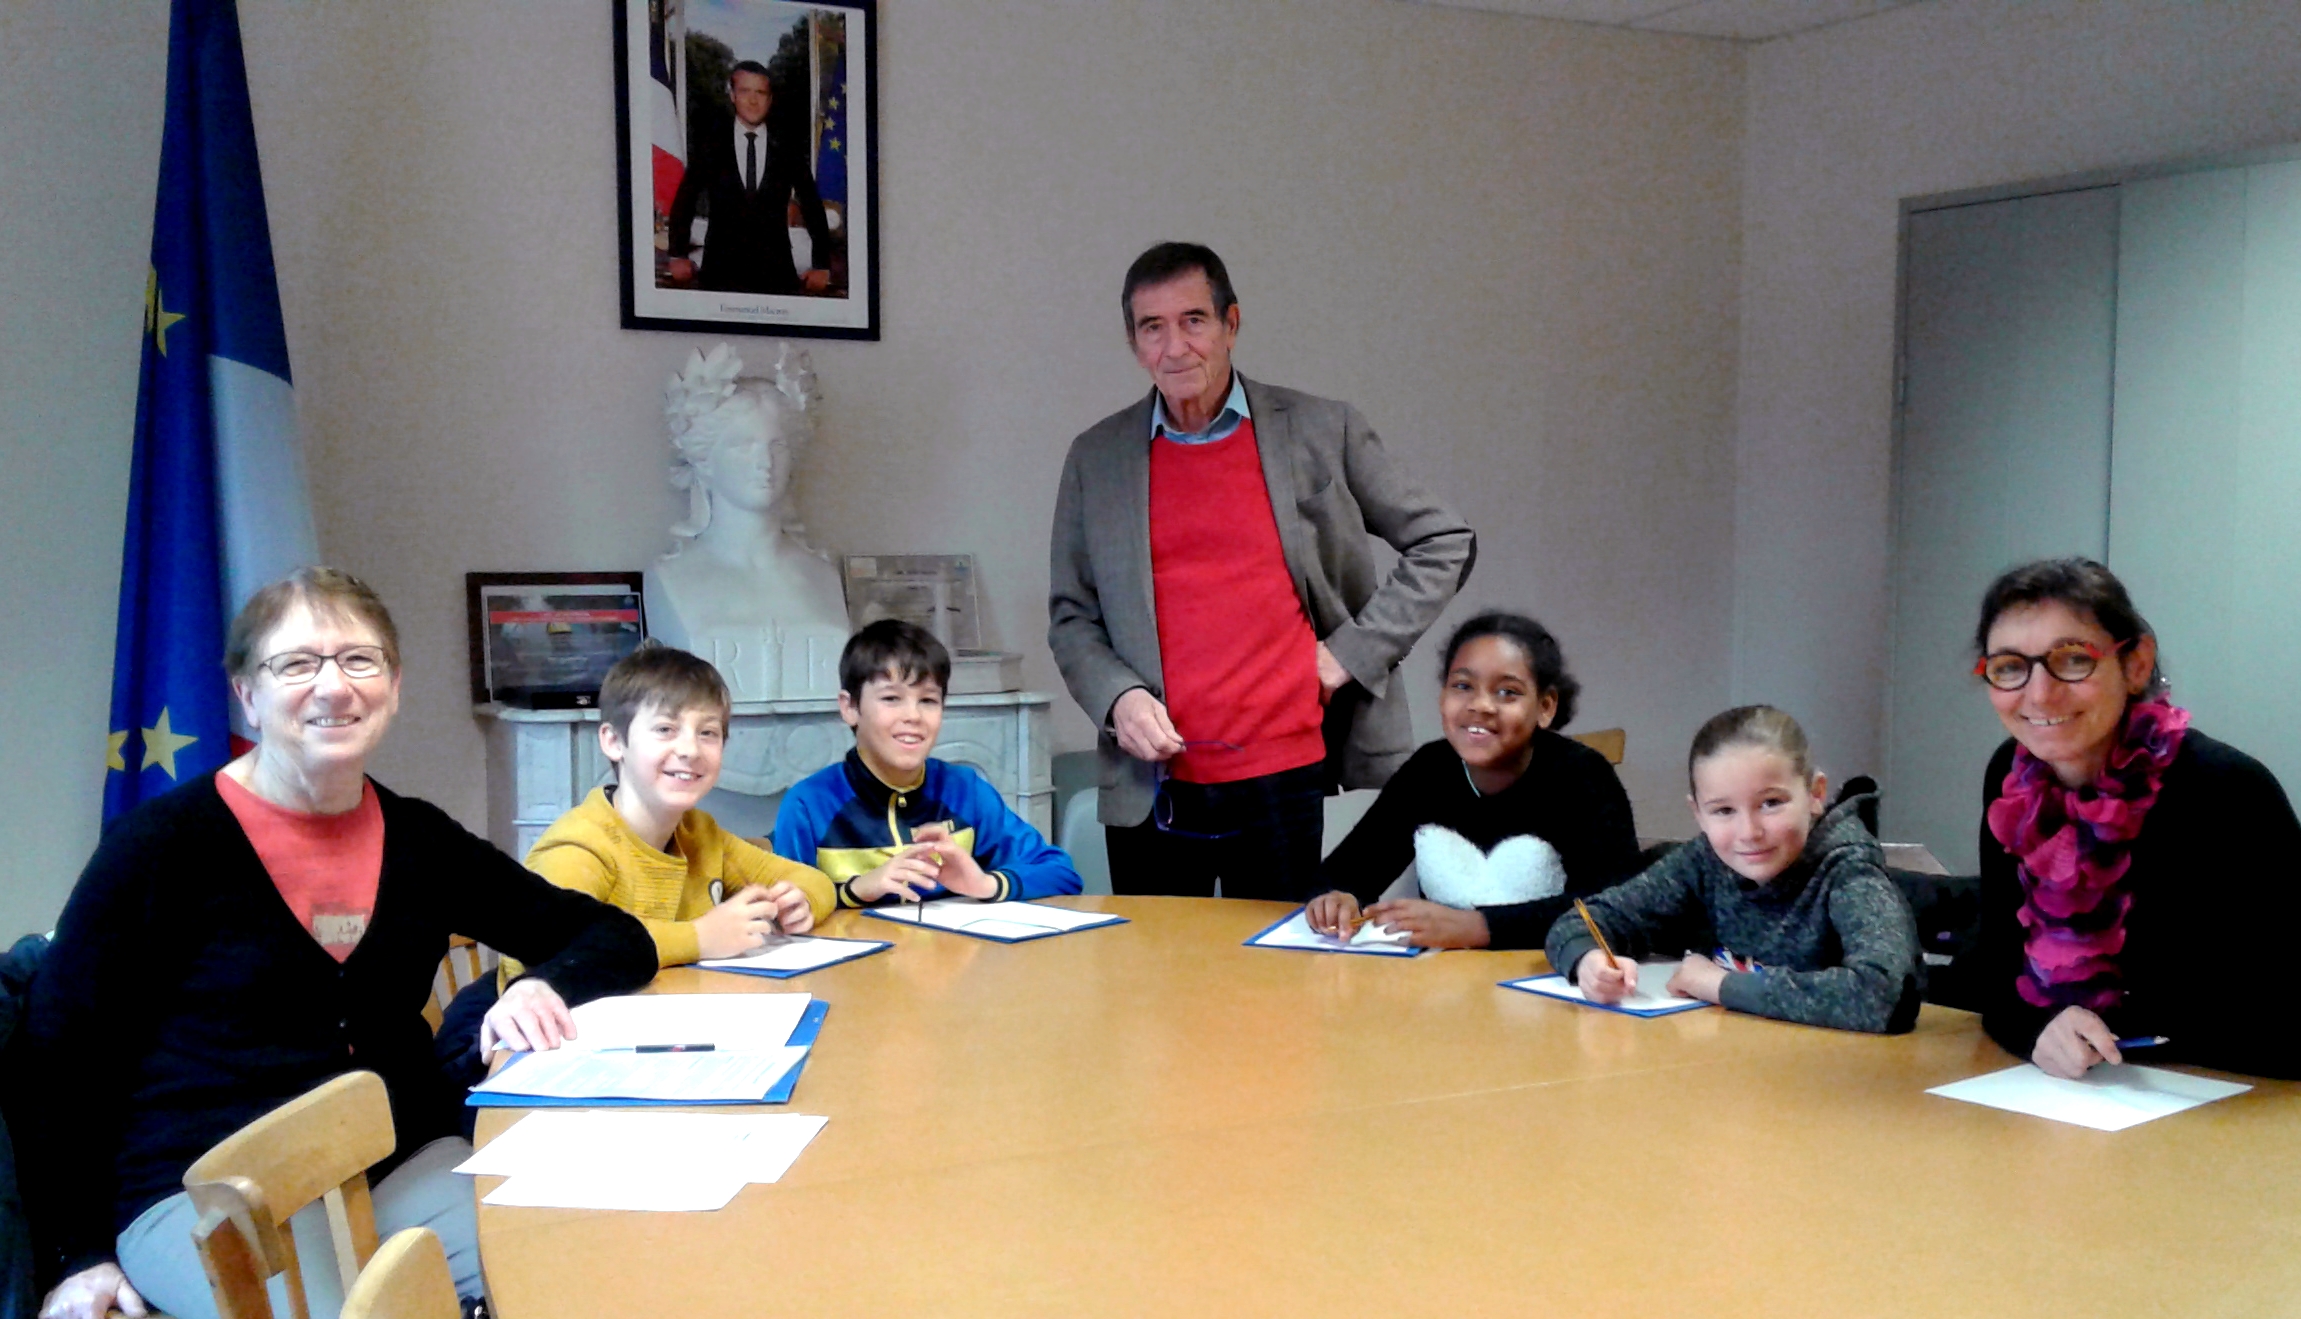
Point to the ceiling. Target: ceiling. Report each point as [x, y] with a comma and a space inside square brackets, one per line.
[1739, 20]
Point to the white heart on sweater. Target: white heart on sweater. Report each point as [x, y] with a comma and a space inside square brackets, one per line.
[1454, 873]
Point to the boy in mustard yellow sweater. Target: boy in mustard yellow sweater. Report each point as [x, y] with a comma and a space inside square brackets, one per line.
[642, 845]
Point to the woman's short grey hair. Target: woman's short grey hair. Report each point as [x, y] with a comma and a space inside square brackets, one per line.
[328, 592]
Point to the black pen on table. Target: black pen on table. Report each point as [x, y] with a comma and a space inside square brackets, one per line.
[662, 1048]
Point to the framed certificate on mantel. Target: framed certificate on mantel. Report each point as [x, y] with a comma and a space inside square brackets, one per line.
[935, 591]
[545, 640]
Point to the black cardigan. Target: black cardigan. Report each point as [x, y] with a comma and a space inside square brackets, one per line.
[1569, 797]
[181, 998]
[2216, 884]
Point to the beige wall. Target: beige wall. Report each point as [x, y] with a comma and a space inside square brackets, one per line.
[1842, 124]
[76, 182]
[1514, 243]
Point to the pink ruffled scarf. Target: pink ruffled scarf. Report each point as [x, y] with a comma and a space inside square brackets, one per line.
[2072, 849]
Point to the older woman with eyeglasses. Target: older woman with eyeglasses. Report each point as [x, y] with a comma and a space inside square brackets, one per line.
[2122, 851]
[257, 931]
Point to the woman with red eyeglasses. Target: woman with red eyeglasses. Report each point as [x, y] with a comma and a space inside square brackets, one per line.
[2121, 848]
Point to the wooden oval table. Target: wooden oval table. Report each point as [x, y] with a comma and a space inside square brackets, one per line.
[1151, 1119]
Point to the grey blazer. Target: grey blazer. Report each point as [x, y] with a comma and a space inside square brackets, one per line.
[1330, 484]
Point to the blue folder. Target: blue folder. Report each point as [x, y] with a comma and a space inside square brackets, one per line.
[810, 1025]
[895, 914]
[1411, 951]
[877, 946]
[1526, 986]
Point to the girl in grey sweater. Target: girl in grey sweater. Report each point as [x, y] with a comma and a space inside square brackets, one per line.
[1796, 900]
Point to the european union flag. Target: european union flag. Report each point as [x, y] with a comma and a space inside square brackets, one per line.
[831, 148]
[216, 495]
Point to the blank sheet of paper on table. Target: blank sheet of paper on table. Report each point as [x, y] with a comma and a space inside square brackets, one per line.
[760, 1147]
[1295, 932]
[662, 1162]
[1653, 998]
[660, 1078]
[662, 1190]
[753, 1023]
[795, 954]
[1006, 922]
[2107, 1099]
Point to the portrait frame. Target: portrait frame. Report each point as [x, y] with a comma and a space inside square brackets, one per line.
[675, 125]
[569, 629]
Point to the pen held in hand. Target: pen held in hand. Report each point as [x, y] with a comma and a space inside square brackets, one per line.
[2141, 1042]
[1597, 934]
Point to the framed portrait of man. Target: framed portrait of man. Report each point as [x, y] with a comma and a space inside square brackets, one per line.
[747, 165]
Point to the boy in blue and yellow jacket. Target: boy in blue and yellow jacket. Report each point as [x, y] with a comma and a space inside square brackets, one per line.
[890, 823]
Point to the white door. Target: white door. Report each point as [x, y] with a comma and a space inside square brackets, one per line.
[2003, 456]
[2205, 494]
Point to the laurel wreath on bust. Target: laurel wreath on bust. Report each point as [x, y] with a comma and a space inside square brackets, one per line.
[699, 389]
[704, 386]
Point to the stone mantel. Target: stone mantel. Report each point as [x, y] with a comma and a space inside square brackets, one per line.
[540, 763]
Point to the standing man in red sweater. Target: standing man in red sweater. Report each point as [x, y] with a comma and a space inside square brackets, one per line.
[1215, 603]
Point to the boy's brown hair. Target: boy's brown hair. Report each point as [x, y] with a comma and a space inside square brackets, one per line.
[666, 676]
[893, 648]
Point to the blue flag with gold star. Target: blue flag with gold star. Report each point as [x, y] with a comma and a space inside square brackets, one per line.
[216, 492]
[831, 148]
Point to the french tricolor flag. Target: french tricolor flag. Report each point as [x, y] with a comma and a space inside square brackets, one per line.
[217, 501]
[667, 61]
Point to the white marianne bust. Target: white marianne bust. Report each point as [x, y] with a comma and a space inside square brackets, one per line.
[739, 587]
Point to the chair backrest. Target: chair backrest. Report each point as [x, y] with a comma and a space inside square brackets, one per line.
[316, 1147]
[1343, 812]
[465, 962]
[225, 1236]
[1607, 742]
[1081, 835]
[407, 1279]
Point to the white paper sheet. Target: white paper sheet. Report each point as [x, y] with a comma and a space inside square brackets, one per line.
[689, 1190]
[1005, 920]
[660, 1077]
[1380, 936]
[1653, 994]
[759, 1146]
[1296, 933]
[2107, 1099]
[796, 952]
[750, 1023]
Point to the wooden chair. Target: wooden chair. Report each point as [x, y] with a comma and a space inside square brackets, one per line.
[465, 962]
[408, 1279]
[226, 1237]
[1607, 742]
[317, 1147]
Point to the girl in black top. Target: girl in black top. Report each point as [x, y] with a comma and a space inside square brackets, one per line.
[1502, 771]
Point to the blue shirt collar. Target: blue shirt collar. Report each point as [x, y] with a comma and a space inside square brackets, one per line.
[1225, 423]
